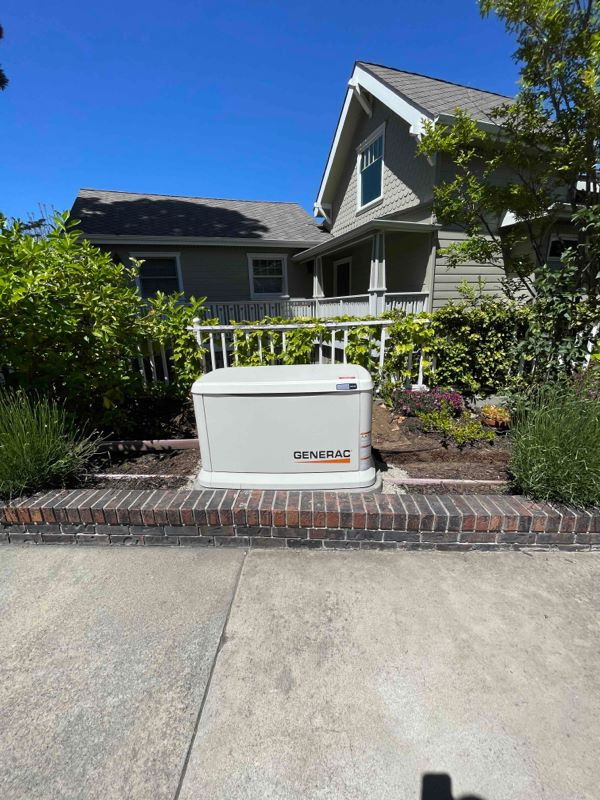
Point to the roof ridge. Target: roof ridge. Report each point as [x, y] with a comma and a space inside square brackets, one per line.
[432, 78]
[189, 196]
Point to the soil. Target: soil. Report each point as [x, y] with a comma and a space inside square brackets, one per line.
[402, 443]
[171, 469]
[396, 443]
[157, 418]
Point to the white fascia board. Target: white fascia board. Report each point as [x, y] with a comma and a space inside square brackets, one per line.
[362, 80]
[196, 240]
[450, 119]
[409, 112]
[332, 152]
[366, 229]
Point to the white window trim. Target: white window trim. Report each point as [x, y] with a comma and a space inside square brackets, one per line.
[258, 296]
[377, 133]
[159, 254]
[336, 264]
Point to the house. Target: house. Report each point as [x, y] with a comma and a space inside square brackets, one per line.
[237, 253]
[377, 249]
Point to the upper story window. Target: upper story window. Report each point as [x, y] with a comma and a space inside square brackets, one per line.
[557, 247]
[268, 275]
[370, 169]
[158, 273]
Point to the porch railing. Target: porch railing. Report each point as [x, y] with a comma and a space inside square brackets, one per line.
[356, 305]
[409, 302]
[219, 343]
[246, 310]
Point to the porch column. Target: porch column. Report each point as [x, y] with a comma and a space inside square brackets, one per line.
[318, 282]
[377, 287]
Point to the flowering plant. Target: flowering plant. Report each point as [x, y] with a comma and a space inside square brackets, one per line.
[409, 402]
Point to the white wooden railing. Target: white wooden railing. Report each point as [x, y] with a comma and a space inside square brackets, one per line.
[245, 310]
[153, 363]
[219, 343]
[356, 305]
[409, 302]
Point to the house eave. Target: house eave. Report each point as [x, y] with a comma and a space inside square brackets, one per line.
[407, 109]
[206, 241]
[372, 226]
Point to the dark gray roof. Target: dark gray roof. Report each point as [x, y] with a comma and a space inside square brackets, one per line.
[435, 96]
[125, 214]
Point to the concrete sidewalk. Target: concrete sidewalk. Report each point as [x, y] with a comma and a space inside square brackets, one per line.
[351, 675]
[340, 674]
[104, 659]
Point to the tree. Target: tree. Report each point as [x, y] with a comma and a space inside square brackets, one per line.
[3, 78]
[72, 321]
[540, 164]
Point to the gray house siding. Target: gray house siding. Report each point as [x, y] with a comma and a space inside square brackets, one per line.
[407, 180]
[221, 273]
[360, 254]
[406, 261]
[447, 279]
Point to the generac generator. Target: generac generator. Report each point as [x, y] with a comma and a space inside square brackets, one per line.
[285, 427]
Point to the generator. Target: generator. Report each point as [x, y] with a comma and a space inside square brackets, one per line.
[285, 427]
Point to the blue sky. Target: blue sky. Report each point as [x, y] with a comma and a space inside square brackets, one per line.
[216, 99]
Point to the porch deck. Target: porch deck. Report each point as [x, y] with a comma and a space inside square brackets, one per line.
[315, 307]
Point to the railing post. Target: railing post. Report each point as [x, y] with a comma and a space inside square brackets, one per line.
[224, 348]
[377, 280]
[211, 342]
[382, 349]
[163, 358]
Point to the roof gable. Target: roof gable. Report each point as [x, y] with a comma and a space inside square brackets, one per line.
[126, 214]
[412, 97]
[437, 97]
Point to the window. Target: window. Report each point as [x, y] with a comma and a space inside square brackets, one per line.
[557, 247]
[370, 169]
[267, 275]
[158, 273]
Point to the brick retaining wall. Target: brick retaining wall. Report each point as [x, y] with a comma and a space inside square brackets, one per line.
[297, 519]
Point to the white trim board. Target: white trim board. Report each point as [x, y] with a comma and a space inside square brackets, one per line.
[128, 241]
[379, 132]
[409, 112]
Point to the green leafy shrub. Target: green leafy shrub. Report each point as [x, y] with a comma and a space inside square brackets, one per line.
[476, 344]
[461, 431]
[165, 320]
[73, 322]
[41, 447]
[266, 347]
[555, 435]
[409, 334]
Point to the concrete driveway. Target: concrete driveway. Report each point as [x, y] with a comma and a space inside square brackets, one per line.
[339, 675]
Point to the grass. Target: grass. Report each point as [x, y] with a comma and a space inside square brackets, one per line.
[41, 447]
[555, 433]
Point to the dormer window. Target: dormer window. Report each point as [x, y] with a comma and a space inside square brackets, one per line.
[370, 169]
[557, 247]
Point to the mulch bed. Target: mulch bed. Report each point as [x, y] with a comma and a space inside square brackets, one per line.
[163, 466]
[422, 455]
[402, 444]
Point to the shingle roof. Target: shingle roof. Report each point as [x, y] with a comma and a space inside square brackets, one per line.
[435, 96]
[113, 213]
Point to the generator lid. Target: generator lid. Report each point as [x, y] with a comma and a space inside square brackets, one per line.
[285, 379]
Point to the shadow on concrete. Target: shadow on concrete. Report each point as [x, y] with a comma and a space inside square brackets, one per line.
[163, 216]
[438, 786]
